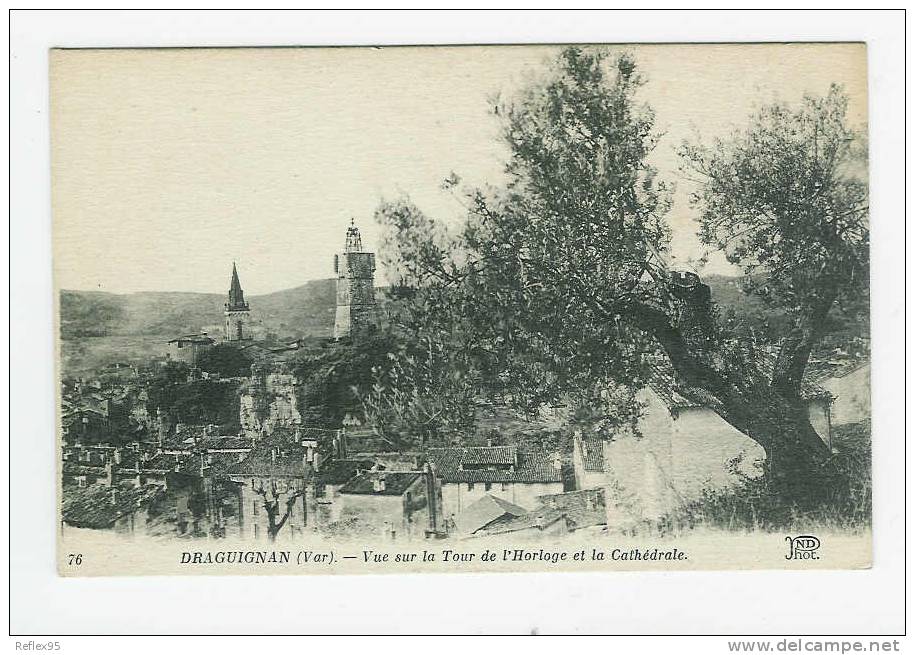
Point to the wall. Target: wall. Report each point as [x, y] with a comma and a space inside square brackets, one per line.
[253, 518]
[410, 517]
[674, 459]
[820, 415]
[852, 396]
[585, 479]
[187, 354]
[355, 292]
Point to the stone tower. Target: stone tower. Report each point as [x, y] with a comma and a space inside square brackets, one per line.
[237, 310]
[355, 271]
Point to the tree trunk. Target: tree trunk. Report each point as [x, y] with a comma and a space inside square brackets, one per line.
[743, 396]
[796, 347]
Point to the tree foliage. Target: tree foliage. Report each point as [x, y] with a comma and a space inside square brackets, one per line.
[192, 400]
[786, 199]
[226, 360]
[556, 282]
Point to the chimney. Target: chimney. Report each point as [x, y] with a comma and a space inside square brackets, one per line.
[273, 455]
[117, 456]
[114, 496]
[378, 484]
[541, 523]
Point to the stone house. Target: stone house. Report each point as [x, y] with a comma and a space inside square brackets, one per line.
[108, 508]
[588, 461]
[280, 468]
[189, 348]
[467, 474]
[392, 504]
[331, 476]
[554, 515]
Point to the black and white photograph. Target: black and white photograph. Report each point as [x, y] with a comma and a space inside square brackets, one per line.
[521, 300]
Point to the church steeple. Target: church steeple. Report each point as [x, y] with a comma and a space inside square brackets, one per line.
[237, 311]
[236, 295]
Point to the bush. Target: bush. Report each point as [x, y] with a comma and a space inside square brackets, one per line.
[840, 498]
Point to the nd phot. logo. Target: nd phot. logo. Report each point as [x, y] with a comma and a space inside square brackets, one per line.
[804, 546]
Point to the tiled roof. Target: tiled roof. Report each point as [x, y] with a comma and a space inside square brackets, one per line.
[809, 389]
[395, 483]
[219, 463]
[226, 443]
[824, 371]
[484, 511]
[194, 338]
[99, 507]
[338, 471]
[580, 509]
[164, 463]
[316, 434]
[592, 453]
[450, 465]
[276, 456]
[75, 468]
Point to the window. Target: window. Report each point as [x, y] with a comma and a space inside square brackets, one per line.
[504, 486]
[254, 507]
[470, 486]
[487, 486]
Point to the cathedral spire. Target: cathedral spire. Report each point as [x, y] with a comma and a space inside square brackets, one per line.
[236, 295]
[237, 310]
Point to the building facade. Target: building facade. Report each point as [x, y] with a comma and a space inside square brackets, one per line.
[355, 270]
[504, 472]
[189, 348]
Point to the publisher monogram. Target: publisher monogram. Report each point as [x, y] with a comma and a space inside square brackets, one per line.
[803, 547]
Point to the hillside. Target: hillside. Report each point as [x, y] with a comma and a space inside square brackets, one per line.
[307, 310]
[100, 328]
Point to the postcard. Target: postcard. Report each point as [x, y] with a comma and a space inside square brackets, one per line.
[461, 309]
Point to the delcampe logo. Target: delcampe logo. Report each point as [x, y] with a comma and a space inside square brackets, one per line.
[803, 547]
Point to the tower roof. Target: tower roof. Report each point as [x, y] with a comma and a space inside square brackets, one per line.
[353, 238]
[236, 295]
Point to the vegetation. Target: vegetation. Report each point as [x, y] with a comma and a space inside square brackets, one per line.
[757, 504]
[194, 401]
[558, 280]
[226, 360]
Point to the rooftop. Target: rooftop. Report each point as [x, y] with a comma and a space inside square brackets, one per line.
[493, 464]
[193, 338]
[100, 507]
[484, 511]
[395, 483]
[339, 471]
[275, 456]
[592, 452]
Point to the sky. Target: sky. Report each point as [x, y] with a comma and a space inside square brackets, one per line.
[168, 165]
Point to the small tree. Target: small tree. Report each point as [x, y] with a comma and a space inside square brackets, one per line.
[273, 501]
[226, 360]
